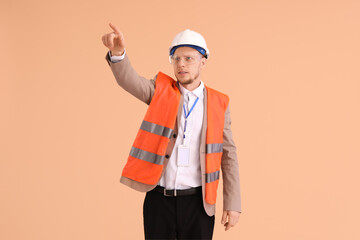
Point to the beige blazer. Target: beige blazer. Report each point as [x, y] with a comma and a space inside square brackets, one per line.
[143, 89]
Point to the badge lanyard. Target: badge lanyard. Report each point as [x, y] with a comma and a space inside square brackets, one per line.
[183, 158]
[187, 115]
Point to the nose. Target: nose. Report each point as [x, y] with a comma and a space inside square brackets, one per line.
[181, 62]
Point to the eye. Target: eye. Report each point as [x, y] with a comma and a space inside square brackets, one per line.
[189, 58]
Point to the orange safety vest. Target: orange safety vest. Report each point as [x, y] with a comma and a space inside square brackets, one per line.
[146, 158]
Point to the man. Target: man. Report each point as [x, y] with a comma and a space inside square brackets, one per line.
[183, 141]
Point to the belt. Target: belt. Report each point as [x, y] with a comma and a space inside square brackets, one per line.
[177, 192]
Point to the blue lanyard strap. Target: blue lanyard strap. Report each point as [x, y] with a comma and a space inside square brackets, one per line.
[186, 115]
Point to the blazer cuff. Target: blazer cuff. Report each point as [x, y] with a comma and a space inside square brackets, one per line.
[114, 59]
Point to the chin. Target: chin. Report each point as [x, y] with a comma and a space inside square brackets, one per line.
[184, 80]
[188, 81]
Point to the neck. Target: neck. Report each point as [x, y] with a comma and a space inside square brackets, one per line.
[191, 86]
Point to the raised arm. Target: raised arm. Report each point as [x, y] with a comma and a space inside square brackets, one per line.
[124, 73]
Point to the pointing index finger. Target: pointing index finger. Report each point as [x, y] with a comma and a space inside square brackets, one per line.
[116, 30]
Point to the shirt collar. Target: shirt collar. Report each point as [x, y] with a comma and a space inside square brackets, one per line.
[197, 91]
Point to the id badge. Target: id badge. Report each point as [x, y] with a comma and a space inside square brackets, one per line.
[183, 156]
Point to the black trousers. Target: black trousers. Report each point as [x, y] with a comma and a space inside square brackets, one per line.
[180, 217]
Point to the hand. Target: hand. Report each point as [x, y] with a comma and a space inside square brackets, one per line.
[232, 218]
[114, 41]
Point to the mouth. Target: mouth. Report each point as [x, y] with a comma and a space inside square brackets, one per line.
[182, 72]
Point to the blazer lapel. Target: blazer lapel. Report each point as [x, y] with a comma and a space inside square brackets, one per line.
[180, 112]
[203, 135]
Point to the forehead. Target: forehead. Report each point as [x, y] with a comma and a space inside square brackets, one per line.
[185, 51]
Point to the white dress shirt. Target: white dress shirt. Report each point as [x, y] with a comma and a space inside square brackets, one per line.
[184, 177]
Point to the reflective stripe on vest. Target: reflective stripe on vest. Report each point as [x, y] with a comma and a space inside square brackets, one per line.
[146, 158]
[214, 148]
[213, 176]
[156, 129]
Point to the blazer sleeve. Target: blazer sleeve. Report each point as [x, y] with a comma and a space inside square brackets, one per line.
[126, 76]
[230, 169]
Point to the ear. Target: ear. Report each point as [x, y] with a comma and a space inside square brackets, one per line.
[203, 62]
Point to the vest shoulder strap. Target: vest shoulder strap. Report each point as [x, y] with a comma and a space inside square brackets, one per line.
[218, 96]
[163, 80]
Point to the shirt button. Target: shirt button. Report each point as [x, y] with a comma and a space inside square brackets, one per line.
[167, 156]
[174, 135]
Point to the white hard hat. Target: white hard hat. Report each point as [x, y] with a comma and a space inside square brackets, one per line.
[191, 39]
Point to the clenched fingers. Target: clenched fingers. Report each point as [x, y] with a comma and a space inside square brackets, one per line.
[232, 218]
[108, 39]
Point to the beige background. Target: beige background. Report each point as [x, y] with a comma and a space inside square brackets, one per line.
[291, 69]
